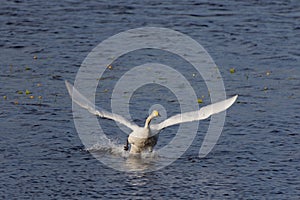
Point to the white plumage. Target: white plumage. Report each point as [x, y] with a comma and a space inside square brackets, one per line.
[145, 138]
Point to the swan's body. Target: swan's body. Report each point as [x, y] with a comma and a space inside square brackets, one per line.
[145, 138]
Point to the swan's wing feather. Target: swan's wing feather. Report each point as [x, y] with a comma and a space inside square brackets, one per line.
[82, 101]
[203, 113]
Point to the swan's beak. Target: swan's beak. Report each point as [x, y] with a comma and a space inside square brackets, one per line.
[155, 113]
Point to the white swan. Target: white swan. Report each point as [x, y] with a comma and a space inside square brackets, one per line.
[145, 138]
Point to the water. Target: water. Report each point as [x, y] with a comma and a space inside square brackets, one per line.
[257, 156]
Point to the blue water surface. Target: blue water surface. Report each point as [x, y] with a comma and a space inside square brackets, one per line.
[43, 43]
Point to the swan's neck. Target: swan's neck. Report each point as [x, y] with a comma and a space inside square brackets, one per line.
[148, 120]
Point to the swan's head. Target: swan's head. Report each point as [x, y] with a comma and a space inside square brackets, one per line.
[155, 113]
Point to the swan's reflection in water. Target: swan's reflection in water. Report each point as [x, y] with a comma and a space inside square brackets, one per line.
[141, 162]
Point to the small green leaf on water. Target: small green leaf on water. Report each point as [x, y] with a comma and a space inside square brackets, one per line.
[20, 92]
[199, 100]
[232, 70]
[27, 92]
[4, 97]
[27, 68]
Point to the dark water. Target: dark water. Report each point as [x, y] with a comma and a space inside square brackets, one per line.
[257, 156]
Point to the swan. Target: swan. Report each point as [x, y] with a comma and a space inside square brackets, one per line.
[145, 138]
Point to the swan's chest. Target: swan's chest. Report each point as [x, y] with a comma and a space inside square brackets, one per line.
[142, 139]
[142, 133]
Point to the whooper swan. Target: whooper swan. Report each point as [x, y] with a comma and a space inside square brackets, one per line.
[145, 138]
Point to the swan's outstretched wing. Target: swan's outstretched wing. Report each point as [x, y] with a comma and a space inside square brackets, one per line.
[82, 101]
[203, 113]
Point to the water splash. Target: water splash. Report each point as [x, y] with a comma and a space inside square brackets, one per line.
[108, 148]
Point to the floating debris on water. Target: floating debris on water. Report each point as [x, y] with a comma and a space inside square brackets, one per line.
[35, 57]
[232, 70]
[268, 73]
[109, 67]
[27, 92]
[4, 97]
[31, 97]
[20, 92]
[200, 100]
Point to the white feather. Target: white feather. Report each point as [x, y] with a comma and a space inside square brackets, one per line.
[145, 138]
